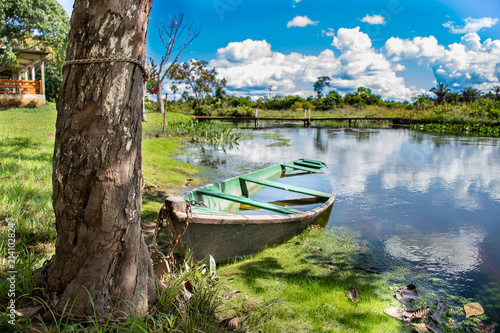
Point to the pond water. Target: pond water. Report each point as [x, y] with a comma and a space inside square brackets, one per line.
[430, 200]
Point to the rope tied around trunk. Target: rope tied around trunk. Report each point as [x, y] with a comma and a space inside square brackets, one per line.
[145, 73]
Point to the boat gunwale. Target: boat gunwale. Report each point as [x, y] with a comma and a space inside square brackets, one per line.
[209, 218]
[228, 218]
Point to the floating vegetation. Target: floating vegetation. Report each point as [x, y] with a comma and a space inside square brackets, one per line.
[280, 140]
[214, 134]
[478, 129]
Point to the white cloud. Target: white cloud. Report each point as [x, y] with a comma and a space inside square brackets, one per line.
[459, 65]
[416, 49]
[254, 74]
[471, 25]
[301, 21]
[245, 51]
[351, 40]
[364, 66]
[358, 65]
[328, 33]
[469, 63]
[374, 19]
[295, 2]
[251, 66]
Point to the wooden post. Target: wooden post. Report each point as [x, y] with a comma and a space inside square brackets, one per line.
[17, 88]
[165, 112]
[42, 71]
[175, 204]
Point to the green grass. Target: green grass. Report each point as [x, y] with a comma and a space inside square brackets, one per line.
[289, 289]
[26, 148]
[285, 288]
[300, 291]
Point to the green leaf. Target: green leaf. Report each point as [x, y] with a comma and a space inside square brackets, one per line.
[212, 266]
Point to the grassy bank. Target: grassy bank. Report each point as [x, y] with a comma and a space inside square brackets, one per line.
[26, 149]
[283, 289]
[303, 286]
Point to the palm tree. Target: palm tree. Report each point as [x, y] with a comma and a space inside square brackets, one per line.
[470, 94]
[441, 90]
[174, 90]
[496, 90]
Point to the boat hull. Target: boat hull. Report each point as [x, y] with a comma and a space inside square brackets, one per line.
[226, 237]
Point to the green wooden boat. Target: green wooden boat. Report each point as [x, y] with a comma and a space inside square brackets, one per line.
[243, 215]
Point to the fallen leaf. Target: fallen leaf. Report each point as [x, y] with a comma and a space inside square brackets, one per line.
[231, 324]
[486, 327]
[375, 270]
[353, 294]
[420, 312]
[188, 285]
[396, 312]
[28, 312]
[473, 309]
[161, 268]
[407, 314]
[230, 294]
[407, 293]
[316, 250]
[187, 290]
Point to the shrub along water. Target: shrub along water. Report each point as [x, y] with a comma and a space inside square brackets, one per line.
[481, 111]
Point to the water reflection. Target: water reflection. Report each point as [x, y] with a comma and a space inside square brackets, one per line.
[453, 253]
[429, 199]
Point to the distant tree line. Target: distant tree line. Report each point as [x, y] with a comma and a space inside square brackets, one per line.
[467, 95]
[332, 99]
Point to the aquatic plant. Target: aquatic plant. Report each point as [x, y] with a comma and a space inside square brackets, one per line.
[212, 133]
[477, 129]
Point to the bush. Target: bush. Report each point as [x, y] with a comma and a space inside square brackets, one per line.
[203, 110]
[150, 105]
[241, 111]
[10, 102]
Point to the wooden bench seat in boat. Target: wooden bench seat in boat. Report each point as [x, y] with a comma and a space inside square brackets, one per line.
[248, 201]
[282, 186]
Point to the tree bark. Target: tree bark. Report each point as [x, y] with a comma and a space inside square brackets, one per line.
[100, 249]
[159, 100]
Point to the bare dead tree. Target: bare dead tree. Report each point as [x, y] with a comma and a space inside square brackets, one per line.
[170, 35]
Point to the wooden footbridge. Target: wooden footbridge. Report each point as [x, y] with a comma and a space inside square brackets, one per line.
[307, 120]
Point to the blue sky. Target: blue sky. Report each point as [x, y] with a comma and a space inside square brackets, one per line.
[397, 48]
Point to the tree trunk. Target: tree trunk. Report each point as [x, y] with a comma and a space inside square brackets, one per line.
[159, 100]
[100, 250]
